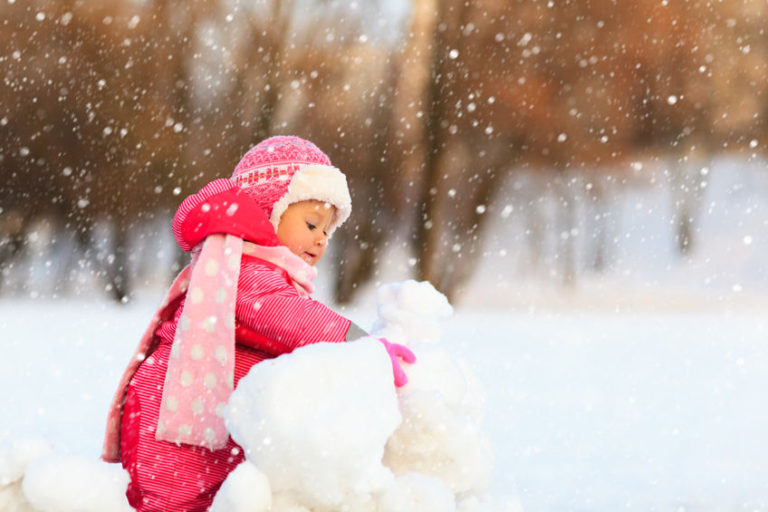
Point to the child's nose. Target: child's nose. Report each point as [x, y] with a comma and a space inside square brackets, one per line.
[322, 240]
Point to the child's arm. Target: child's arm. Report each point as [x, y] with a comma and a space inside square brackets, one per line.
[276, 320]
[280, 319]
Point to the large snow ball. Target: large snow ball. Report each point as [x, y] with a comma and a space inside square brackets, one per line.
[316, 421]
[410, 311]
[75, 484]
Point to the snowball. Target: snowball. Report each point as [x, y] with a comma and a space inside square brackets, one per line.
[410, 311]
[316, 421]
[75, 484]
[417, 493]
[246, 489]
[15, 458]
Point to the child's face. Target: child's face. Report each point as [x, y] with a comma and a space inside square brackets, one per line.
[304, 228]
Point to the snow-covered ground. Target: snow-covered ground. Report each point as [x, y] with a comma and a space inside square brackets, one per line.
[641, 389]
[596, 410]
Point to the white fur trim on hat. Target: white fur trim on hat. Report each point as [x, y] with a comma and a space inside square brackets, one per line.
[319, 183]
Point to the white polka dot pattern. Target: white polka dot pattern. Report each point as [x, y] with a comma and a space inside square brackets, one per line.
[197, 406]
[196, 352]
[186, 379]
[221, 355]
[197, 380]
[211, 268]
[196, 295]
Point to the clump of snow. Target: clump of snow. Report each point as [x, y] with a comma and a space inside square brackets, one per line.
[329, 430]
[410, 311]
[33, 478]
[316, 421]
[60, 483]
[14, 460]
[246, 489]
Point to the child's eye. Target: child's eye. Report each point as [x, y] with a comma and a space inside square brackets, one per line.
[311, 226]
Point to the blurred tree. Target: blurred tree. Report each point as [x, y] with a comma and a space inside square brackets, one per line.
[113, 111]
[463, 157]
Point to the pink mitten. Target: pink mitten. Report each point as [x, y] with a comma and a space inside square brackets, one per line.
[396, 351]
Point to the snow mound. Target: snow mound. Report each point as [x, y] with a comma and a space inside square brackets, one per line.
[316, 421]
[33, 478]
[60, 483]
[15, 458]
[442, 405]
[75, 484]
[330, 432]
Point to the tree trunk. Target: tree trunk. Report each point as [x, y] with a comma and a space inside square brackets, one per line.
[430, 247]
[567, 229]
[117, 266]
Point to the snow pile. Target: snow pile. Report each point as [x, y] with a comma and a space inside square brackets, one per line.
[62, 483]
[316, 421]
[14, 460]
[442, 404]
[35, 479]
[328, 431]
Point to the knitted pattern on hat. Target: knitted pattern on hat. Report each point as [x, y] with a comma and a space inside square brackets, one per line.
[282, 170]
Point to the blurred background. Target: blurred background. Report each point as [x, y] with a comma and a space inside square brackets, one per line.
[587, 180]
[491, 146]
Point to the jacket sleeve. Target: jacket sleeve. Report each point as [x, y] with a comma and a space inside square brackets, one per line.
[279, 318]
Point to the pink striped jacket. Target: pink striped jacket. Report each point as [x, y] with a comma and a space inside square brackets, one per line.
[271, 316]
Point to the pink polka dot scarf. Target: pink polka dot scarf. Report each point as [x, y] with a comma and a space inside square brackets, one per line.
[200, 375]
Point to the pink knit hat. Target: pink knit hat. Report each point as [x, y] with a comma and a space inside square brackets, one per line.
[283, 170]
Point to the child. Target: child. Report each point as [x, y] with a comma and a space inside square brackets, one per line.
[244, 298]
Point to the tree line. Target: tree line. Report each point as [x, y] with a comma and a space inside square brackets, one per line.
[115, 110]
